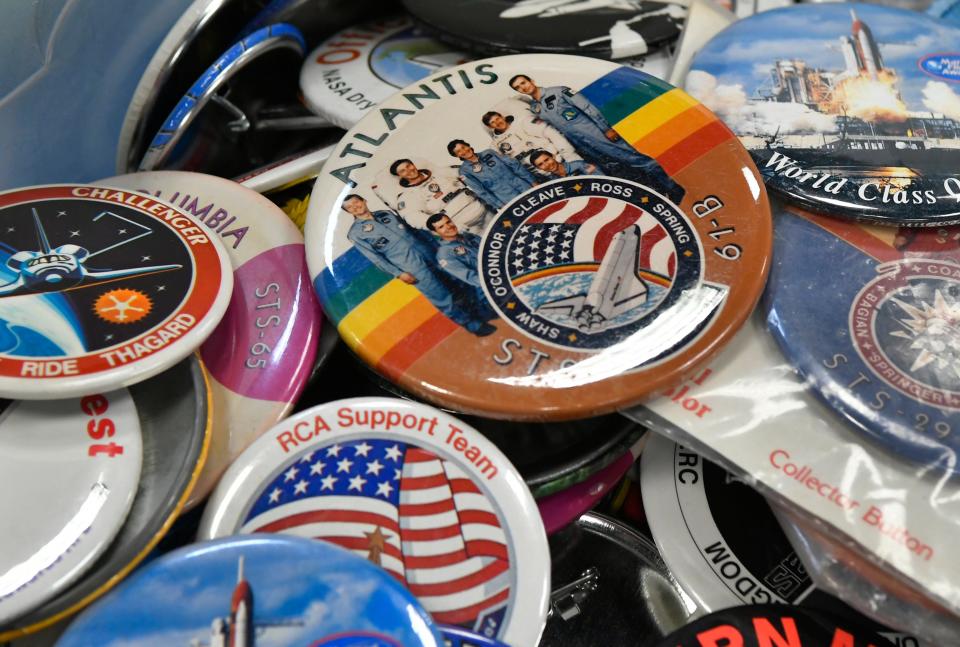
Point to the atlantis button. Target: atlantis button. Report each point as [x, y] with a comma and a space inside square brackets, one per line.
[538, 237]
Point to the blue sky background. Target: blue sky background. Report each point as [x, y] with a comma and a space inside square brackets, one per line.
[171, 602]
[744, 53]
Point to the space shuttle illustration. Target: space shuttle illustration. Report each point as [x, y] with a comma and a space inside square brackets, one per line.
[47, 268]
[616, 287]
[861, 54]
[624, 40]
[239, 629]
[547, 8]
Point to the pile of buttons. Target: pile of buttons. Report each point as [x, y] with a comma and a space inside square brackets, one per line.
[350, 323]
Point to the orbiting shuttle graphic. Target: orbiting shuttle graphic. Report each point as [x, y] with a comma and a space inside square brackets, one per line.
[616, 287]
[624, 41]
[49, 269]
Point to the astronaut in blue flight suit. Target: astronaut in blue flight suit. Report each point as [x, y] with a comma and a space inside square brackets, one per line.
[387, 242]
[553, 168]
[494, 178]
[592, 136]
[457, 253]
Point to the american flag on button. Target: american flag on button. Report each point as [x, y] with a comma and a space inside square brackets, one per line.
[418, 516]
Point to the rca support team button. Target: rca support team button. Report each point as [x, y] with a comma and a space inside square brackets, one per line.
[411, 489]
[538, 237]
[101, 288]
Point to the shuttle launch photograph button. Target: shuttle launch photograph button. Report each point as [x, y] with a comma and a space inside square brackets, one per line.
[878, 340]
[259, 590]
[410, 488]
[848, 110]
[538, 237]
[101, 288]
[597, 28]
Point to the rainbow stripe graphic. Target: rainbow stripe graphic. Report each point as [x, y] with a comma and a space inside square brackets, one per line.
[658, 119]
[391, 325]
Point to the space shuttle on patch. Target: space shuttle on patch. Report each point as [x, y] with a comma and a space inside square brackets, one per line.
[616, 287]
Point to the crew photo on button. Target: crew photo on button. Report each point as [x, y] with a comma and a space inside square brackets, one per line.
[518, 137]
[494, 178]
[592, 136]
[387, 242]
[549, 165]
[423, 193]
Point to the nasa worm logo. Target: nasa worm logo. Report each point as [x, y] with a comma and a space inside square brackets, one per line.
[904, 325]
[583, 263]
[942, 66]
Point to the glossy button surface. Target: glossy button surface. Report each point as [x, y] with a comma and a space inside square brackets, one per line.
[262, 352]
[101, 288]
[879, 341]
[602, 29]
[409, 488]
[631, 256]
[349, 73]
[258, 590]
[848, 109]
[70, 470]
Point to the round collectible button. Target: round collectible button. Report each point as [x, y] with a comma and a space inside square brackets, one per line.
[716, 534]
[879, 341]
[246, 84]
[173, 410]
[203, 30]
[257, 590]
[854, 115]
[71, 469]
[357, 68]
[261, 354]
[599, 235]
[610, 588]
[563, 507]
[722, 541]
[602, 29]
[413, 490]
[760, 625]
[101, 288]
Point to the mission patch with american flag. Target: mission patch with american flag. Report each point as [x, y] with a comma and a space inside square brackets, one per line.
[585, 262]
[413, 490]
[420, 517]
